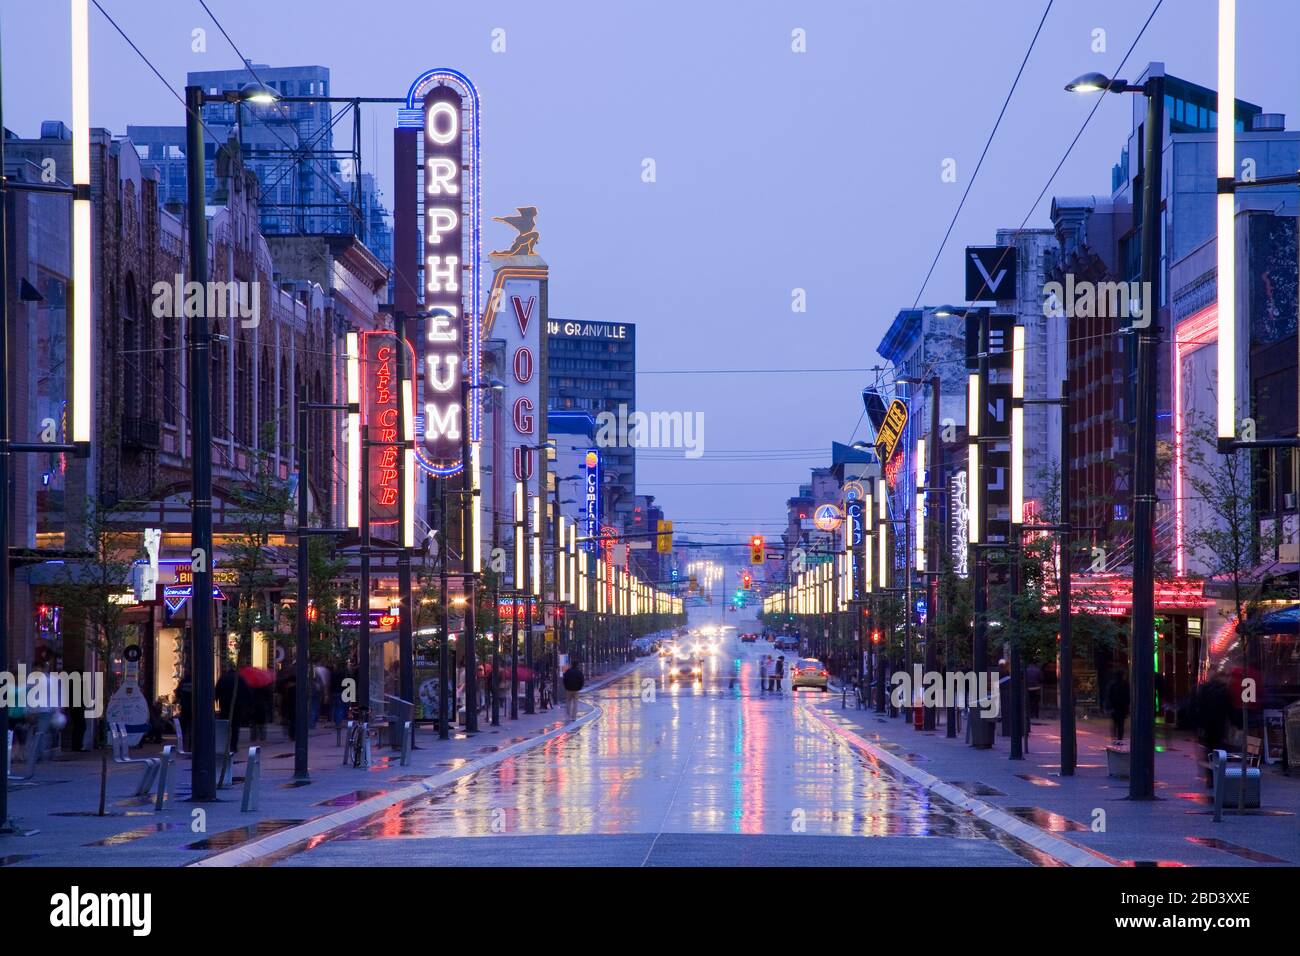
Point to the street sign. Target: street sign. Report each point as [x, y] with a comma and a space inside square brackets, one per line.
[891, 430]
[664, 537]
[990, 273]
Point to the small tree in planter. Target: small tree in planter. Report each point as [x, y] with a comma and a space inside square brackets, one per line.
[90, 582]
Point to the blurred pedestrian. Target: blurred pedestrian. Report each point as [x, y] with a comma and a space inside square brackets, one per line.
[234, 701]
[762, 674]
[778, 676]
[1211, 707]
[1117, 703]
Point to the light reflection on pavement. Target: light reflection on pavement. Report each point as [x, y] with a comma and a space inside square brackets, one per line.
[664, 758]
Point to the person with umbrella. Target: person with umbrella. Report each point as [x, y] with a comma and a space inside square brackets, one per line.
[260, 682]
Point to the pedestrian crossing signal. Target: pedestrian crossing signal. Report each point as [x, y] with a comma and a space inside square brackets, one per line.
[756, 550]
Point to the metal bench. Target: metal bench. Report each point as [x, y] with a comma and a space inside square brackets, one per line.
[120, 736]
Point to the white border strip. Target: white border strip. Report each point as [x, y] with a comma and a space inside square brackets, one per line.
[1055, 847]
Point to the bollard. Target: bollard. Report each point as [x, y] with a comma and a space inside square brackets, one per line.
[252, 777]
[168, 755]
[1220, 765]
[365, 743]
[349, 737]
[408, 741]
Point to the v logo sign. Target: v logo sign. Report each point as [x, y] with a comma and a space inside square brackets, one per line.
[990, 283]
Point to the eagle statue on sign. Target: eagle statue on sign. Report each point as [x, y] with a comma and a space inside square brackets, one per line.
[525, 244]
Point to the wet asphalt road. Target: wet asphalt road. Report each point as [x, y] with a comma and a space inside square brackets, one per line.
[681, 774]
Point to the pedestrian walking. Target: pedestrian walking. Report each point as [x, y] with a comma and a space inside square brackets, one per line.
[762, 674]
[234, 701]
[1211, 707]
[1117, 702]
[573, 681]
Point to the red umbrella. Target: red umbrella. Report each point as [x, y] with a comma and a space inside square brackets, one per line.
[256, 677]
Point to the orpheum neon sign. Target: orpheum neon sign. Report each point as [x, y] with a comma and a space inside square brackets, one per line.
[438, 185]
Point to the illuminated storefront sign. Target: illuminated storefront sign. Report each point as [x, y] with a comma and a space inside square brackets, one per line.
[891, 430]
[827, 517]
[443, 274]
[517, 318]
[436, 255]
[960, 524]
[612, 331]
[591, 499]
[380, 391]
[379, 620]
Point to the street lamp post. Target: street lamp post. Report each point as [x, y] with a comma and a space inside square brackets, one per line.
[204, 761]
[1142, 635]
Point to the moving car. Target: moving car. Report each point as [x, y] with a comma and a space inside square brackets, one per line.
[748, 638]
[808, 673]
[787, 642]
[686, 668]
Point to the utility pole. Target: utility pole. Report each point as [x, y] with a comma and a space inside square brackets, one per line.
[1142, 775]
[203, 785]
[1065, 668]
[444, 732]
[468, 547]
[405, 640]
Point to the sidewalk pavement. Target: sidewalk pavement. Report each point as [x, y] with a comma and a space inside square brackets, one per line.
[1176, 829]
[60, 802]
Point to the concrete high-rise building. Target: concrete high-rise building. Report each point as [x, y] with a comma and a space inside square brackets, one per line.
[591, 367]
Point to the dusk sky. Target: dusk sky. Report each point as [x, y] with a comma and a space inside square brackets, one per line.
[776, 170]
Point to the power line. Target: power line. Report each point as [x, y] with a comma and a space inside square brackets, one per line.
[987, 143]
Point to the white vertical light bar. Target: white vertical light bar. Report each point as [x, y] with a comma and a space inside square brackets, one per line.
[537, 546]
[561, 566]
[1225, 220]
[1018, 361]
[519, 535]
[1018, 425]
[573, 563]
[354, 431]
[582, 582]
[882, 529]
[82, 400]
[1018, 464]
[973, 405]
[868, 539]
[408, 463]
[920, 504]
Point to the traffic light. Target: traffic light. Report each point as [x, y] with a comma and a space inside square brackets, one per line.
[756, 555]
[746, 580]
